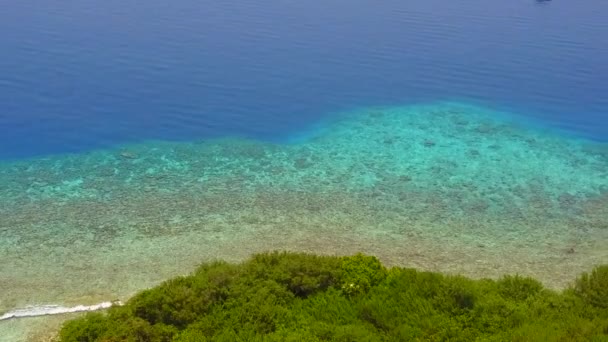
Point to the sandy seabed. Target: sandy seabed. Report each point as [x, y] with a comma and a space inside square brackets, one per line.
[445, 187]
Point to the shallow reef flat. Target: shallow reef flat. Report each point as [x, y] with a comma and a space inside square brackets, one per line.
[444, 187]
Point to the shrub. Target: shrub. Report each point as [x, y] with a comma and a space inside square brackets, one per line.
[302, 274]
[88, 328]
[518, 288]
[593, 288]
[360, 273]
[301, 297]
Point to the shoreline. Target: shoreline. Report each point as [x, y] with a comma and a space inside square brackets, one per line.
[53, 309]
[430, 187]
[49, 318]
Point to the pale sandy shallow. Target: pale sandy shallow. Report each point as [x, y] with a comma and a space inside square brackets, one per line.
[34, 329]
[438, 188]
[337, 225]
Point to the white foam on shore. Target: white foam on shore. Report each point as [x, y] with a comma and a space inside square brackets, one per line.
[44, 310]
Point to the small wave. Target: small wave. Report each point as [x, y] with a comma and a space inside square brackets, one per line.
[44, 310]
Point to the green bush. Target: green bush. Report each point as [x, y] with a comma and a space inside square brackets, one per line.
[360, 273]
[301, 297]
[89, 328]
[302, 274]
[518, 288]
[593, 288]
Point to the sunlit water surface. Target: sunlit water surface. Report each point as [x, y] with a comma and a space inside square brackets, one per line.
[137, 140]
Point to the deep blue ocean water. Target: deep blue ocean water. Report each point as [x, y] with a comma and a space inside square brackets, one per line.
[80, 75]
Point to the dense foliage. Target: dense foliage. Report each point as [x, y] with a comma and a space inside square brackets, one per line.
[299, 297]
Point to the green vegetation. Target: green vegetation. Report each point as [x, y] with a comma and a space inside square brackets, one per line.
[300, 297]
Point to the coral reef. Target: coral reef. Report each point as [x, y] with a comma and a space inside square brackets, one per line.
[444, 187]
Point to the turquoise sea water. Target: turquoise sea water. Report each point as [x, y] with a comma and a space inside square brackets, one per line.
[138, 140]
[445, 186]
